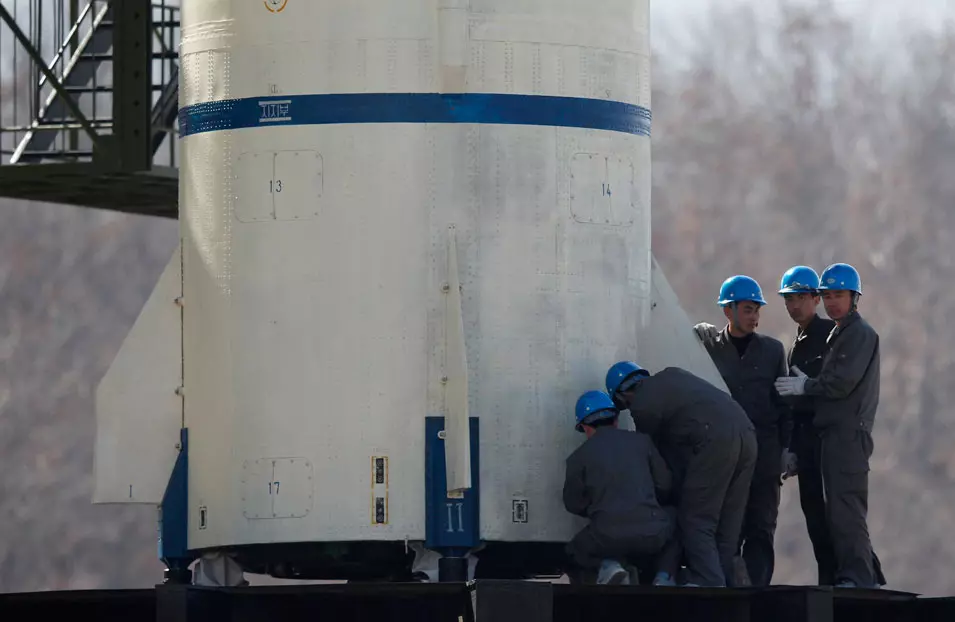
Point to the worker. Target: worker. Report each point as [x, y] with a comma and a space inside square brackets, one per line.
[749, 363]
[845, 396]
[799, 288]
[616, 478]
[710, 444]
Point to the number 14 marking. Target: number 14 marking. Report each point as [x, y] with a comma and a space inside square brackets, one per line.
[605, 189]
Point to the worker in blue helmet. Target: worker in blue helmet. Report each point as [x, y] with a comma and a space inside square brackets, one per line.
[617, 479]
[749, 363]
[799, 287]
[741, 299]
[710, 445]
[627, 520]
[845, 396]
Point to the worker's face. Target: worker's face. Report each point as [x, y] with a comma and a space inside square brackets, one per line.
[801, 306]
[746, 317]
[838, 303]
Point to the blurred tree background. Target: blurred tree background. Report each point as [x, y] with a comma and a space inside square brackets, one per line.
[805, 140]
[809, 141]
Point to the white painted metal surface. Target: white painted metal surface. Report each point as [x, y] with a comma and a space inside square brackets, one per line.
[667, 338]
[138, 413]
[321, 325]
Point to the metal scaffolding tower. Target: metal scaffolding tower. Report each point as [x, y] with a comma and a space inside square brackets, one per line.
[88, 103]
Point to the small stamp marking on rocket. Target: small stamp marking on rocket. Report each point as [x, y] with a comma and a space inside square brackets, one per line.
[275, 6]
[519, 510]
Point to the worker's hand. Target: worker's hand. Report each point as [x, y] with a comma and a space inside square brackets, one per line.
[789, 385]
[705, 331]
[790, 464]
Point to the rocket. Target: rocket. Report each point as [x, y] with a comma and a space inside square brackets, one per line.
[412, 232]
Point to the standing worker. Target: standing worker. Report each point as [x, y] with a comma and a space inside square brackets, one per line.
[710, 445]
[616, 479]
[749, 364]
[845, 396]
[799, 288]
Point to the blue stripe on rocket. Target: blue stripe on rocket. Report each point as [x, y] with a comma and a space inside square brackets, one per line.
[483, 108]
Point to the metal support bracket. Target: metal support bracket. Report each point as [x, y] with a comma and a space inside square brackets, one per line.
[132, 84]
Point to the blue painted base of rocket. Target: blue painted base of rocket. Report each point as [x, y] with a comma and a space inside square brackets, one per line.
[173, 545]
[453, 524]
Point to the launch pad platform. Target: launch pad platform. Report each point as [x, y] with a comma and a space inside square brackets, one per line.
[478, 601]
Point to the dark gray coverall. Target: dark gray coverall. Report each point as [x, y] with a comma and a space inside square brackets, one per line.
[615, 479]
[751, 380]
[710, 444]
[845, 398]
[807, 354]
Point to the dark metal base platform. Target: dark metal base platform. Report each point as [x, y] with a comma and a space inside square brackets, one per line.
[375, 560]
[154, 193]
[480, 601]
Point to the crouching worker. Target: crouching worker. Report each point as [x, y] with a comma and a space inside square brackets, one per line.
[711, 444]
[614, 480]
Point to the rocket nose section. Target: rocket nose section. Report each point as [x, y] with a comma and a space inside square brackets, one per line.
[138, 409]
[667, 337]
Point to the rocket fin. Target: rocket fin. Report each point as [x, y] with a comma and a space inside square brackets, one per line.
[668, 339]
[138, 411]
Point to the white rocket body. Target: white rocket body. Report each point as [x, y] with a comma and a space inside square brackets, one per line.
[465, 233]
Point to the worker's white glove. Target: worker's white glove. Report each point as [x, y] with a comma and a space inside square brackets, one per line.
[792, 385]
[790, 465]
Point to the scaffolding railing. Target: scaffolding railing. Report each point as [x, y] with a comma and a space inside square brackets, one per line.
[56, 80]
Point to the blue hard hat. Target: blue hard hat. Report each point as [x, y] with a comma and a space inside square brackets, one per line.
[841, 276]
[739, 288]
[594, 405]
[620, 372]
[799, 279]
